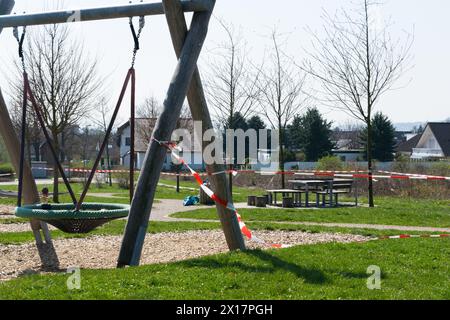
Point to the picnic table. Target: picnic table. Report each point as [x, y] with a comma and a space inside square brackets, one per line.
[312, 185]
[325, 187]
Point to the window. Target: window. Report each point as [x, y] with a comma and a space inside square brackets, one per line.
[127, 142]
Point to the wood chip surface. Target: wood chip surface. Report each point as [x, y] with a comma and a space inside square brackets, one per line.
[100, 252]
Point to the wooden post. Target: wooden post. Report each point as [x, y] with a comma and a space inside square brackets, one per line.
[200, 112]
[30, 191]
[136, 229]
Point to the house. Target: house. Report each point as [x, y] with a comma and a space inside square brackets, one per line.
[348, 145]
[406, 147]
[434, 143]
[191, 150]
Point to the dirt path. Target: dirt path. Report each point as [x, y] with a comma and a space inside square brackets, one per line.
[164, 208]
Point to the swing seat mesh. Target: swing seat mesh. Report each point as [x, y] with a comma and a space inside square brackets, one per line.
[65, 218]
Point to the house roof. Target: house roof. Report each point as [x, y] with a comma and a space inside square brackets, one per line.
[347, 140]
[441, 131]
[409, 145]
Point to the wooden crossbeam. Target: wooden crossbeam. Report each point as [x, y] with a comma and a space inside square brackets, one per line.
[94, 14]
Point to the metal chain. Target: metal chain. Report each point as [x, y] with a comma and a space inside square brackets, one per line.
[136, 37]
[20, 39]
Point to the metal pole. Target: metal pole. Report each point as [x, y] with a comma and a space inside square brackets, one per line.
[101, 13]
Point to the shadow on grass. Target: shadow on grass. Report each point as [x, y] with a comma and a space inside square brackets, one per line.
[309, 275]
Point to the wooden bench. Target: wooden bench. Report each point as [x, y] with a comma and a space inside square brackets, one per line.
[338, 187]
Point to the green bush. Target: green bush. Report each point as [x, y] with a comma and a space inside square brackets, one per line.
[6, 168]
[441, 169]
[401, 164]
[330, 163]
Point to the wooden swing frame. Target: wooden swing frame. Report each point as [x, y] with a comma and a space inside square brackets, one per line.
[186, 82]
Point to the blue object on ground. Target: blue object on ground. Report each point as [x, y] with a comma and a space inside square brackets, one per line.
[191, 201]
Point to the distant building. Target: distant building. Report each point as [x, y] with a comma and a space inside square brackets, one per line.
[406, 147]
[192, 150]
[348, 146]
[434, 143]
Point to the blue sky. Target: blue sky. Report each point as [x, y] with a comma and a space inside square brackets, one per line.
[424, 98]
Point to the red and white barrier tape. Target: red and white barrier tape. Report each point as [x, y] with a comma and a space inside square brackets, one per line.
[409, 236]
[229, 205]
[337, 174]
[416, 176]
[367, 176]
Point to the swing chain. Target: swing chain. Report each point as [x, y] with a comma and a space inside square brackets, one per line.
[20, 40]
[136, 36]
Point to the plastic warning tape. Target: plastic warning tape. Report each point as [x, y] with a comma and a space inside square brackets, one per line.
[229, 205]
[409, 236]
[374, 176]
[415, 176]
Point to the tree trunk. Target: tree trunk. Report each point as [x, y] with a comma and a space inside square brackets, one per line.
[281, 164]
[369, 162]
[55, 171]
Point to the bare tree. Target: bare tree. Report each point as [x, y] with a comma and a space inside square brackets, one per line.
[231, 83]
[64, 82]
[282, 96]
[356, 62]
[150, 108]
[149, 111]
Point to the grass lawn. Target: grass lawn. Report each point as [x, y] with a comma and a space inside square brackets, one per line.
[390, 211]
[411, 269]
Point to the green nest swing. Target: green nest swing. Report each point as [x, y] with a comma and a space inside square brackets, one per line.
[77, 217]
[65, 218]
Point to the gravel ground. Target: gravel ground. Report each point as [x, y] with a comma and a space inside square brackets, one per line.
[15, 227]
[101, 252]
[6, 211]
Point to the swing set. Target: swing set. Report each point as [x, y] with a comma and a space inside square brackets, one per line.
[78, 217]
[83, 217]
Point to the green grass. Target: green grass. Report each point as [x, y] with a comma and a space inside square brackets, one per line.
[389, 211]
[411, 269]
